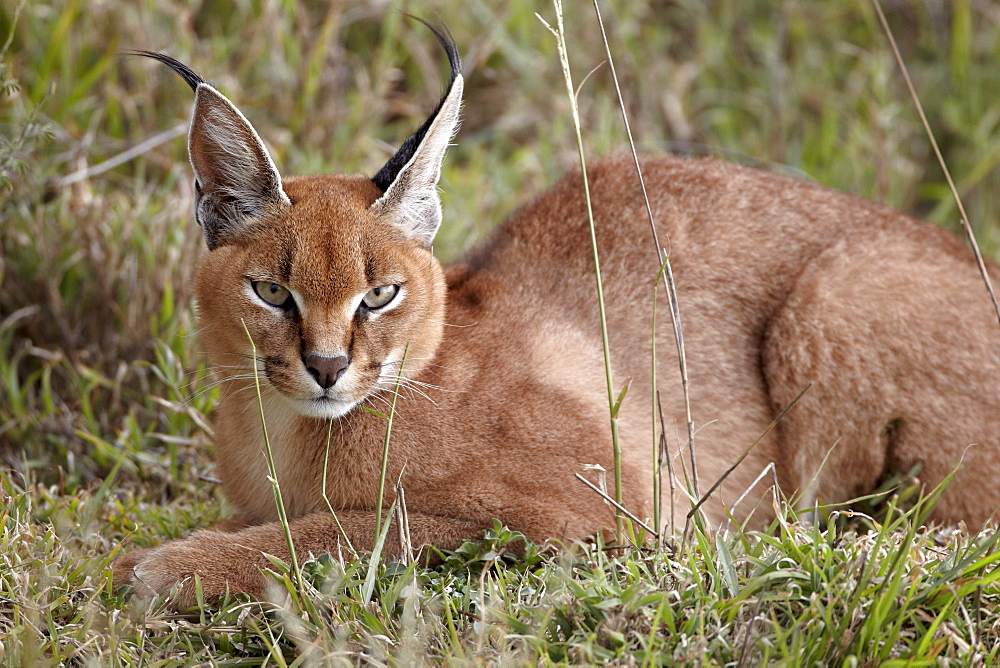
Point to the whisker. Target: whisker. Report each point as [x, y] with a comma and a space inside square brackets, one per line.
[418, 383]
[449, 324]
[403, 385]
[209, 386]
[399, 362]
[383, 400]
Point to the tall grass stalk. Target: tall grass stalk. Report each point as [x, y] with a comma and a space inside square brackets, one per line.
[272, 473]
[369, 584]
[657, 408]
[613, 405]
[966, 226]
[657, 472]
[385, 445]
[326, 497]
[664, 261]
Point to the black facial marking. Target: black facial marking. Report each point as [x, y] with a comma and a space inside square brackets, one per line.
[285, 268]
[277, 362]
[371, 266]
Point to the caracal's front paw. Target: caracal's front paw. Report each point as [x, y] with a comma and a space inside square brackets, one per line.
[122, 568]
[173, 570]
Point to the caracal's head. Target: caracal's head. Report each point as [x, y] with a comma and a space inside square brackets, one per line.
[325, 283]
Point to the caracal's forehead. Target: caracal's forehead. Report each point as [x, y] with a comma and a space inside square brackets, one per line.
[329, 243]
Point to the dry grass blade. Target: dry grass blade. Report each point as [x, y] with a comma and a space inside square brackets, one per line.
[664, 260]
[559, 33]
[385, 444]
[743, 456]
[141, 148]
[664, 457]
[272, 473]
[940, 158]
[775, 487]
[617, 505]
[403, 523]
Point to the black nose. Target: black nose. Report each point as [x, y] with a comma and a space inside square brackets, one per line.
[326, 370]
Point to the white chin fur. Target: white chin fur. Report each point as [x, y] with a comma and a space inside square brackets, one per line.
[322, 408]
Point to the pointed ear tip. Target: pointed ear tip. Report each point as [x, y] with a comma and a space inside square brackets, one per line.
[457, 86]
[208, 89]
[207, 94]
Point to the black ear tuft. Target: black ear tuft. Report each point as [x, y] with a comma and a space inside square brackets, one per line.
[409, 180]
[390, 170]
[186, 72]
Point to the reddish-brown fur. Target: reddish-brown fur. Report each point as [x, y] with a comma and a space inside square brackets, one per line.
[781, 284]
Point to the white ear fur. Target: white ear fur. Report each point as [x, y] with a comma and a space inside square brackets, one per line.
[411, 201]
[237, 181]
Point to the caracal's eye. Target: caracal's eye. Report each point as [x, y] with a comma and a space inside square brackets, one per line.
[274, 294]
[379, 297]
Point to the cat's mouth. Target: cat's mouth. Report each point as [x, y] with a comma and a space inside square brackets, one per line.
[324, 406]
[307, 397]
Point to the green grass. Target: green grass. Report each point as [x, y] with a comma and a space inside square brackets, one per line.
[104, 404]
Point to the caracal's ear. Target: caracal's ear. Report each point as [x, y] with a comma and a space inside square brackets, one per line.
[236, 181]
[409, 179]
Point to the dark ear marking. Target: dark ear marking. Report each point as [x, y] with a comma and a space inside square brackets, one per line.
[409, 180]
[236, 182]
[390, 170]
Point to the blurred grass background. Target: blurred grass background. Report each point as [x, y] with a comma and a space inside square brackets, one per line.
[99, 372]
